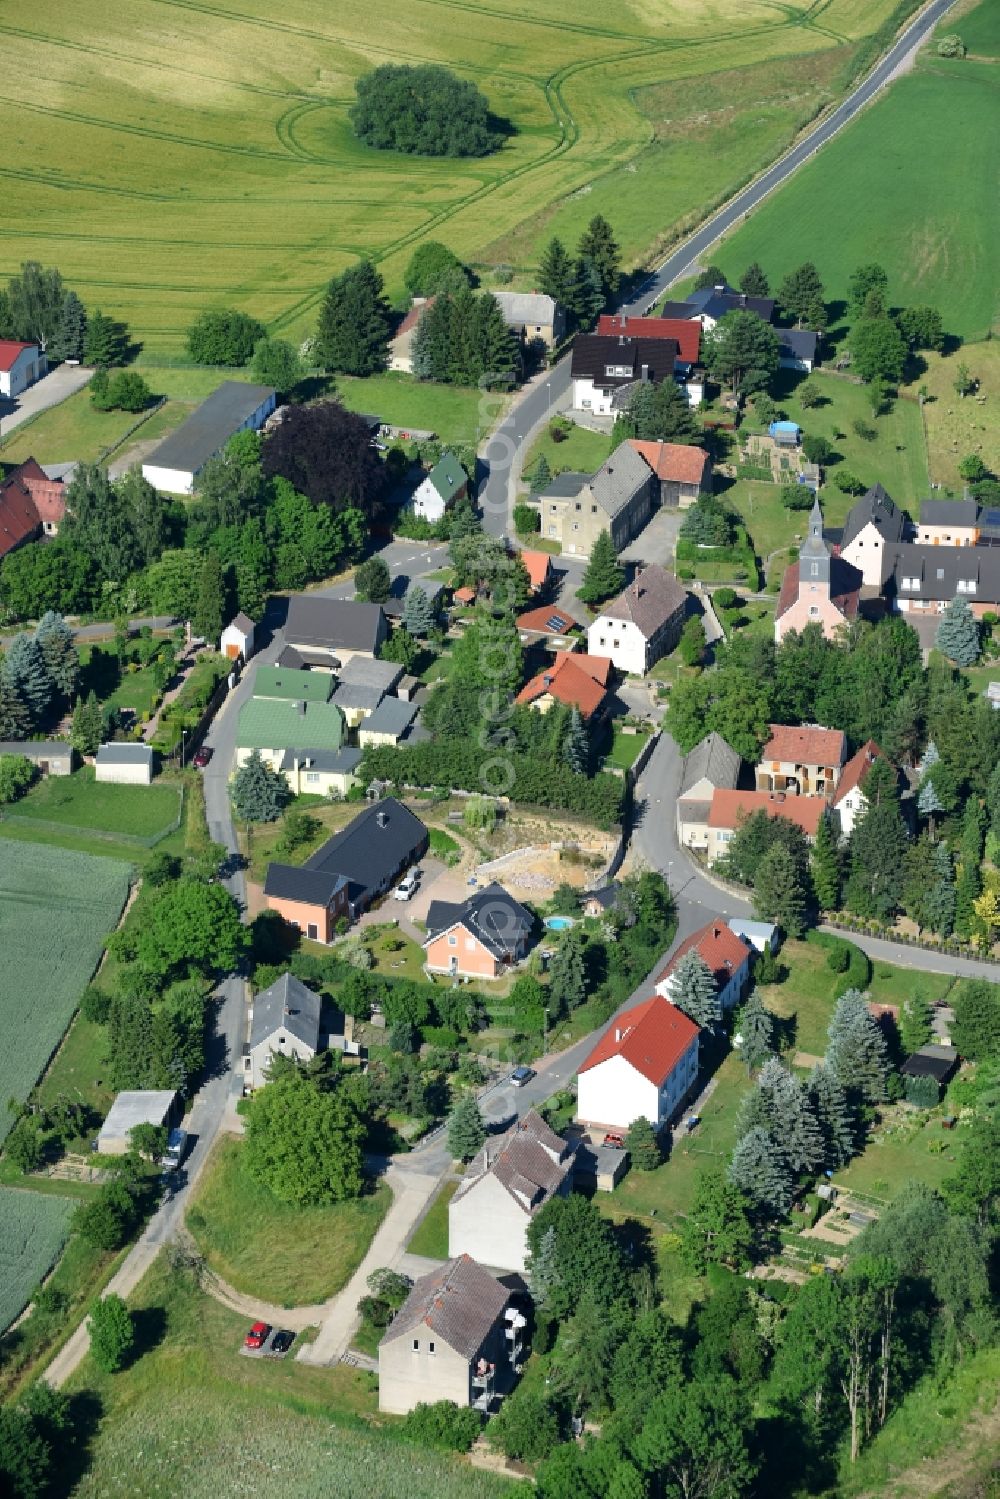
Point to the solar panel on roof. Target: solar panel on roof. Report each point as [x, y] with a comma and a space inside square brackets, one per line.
[991, 518]
[554, 622]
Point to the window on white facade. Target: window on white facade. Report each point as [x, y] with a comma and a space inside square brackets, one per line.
[416, 1345]
[430, 1347]
[312, 776]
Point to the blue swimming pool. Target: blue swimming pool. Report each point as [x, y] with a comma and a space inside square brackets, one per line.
[558, 923]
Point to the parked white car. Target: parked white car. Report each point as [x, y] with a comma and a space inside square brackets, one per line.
[407, 885]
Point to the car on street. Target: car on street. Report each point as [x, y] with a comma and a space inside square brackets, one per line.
[282, 1341]
[201, 757]
[258, 1335]
[174, 1153]
[522, 1075]
[407, 885]
[616, 1142]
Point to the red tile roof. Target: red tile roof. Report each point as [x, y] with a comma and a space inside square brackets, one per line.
[719, 947]
[413, 317]
[546, 621]
[652, 1036]
[729, 808]
[465, 595]
[845, 588]
[538, 565]
[687, 331]
[673, 461]
[10, 352]
[858, 766]
[579, 681]
[806, 745]
[19, 515]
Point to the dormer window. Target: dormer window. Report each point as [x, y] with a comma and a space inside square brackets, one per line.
[617, 371]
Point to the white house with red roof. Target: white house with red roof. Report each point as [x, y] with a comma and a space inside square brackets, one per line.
[643, 1067]
[850, 801]
[726, 955]
[21, 365]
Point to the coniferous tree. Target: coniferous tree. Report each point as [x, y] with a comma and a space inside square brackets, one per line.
[754, 282]
[466, 1131]
[712, 275]
[541, 475]
[576, 745]
[354, 322]
[105, 342]
[800, 295]
[824, 863]
[555, 274]
[756, 1032]
[586, 294]
[543, 1269]
[597, 244]
[661, 412]
[25, 673]
[778, 891]
[693, 989]
[87, 728]
[958, 634]
[829, 1103]
[15, 715]
[59, 652]
[567, 983]
[759, 1172]
[856, 1051]
[604, 577]
[209, 606]
[940, 899]
[877, 849]
[915, 1020]
[418, 612]
[67, 342]
[259, 793]
[788, 1116]
[643, 1146]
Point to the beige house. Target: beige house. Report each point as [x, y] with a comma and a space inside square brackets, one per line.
[50, 757]
[532, 316]
[948, 523]
[389, 724]
[712, 763]
[619, 498]
[503, 1188]
[803, 761]
[285, 1023]
[730, 809]
[874, 524]
[456, 1337]
[319, 772]
[401, 346]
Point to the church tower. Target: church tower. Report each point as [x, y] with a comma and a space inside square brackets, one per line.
[814, 554]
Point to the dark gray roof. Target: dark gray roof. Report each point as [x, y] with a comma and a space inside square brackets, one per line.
[712, 759]
[565, 486]
[495, 917]
[358, 695]
[797, 343]
[380, 840]
[313, 887]
[531, 1162]
[392, 716]
[593, 353]
[287, 1005]
[293, 660]
[36, 749]
[369, 673]
[208, 429]
[716, 301]
[242, 622]
[605, 897]
[125, 754]
[938, 1062]
[877, 509]
[460, 1304]
[333, 624]
[676, 310]
[619, 478]
[653, 597]
[344, 760]
[949, 513]
[940, 570]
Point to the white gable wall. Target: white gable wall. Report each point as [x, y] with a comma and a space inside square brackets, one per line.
[866, 553]
[487, 1223]
[427, 503]
[620, 639]
[614, 1094]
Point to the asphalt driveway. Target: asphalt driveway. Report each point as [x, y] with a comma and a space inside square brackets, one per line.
[46, 392]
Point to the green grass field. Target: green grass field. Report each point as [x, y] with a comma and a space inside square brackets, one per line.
[33, 1230]
[56, 909]
[902, 185]
[431, 1238]
[263, 1247]
[198, 155]
[582, 451]
[81, 802]
[190, 1416]
[74, 429]
[979, 30]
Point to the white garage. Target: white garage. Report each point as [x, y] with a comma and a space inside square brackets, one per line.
[21, 365]
[180, 458]
[127, 764]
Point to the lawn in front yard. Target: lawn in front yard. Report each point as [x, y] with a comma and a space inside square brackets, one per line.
[100, 672]
[265, 836]
[624, 751]
[81, 802]
[909, 1145]
[456, 413]
[395, 955]
[431, 1238]
[73, 430]
[289, 1255]
[582, 451]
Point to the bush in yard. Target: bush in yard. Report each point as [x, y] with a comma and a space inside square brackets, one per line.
[526, 519]
[692, 642]
[95, 1005]
[443, 1426]
[816, 449]
[809, 394]
[951, 45]
[259, 793]
[924, 1092]
[23, 1145]
[112, 1333]
[643, 1146]
[526, 1427]
[848, 482]
[838, 959]
[224, 337]
[724, 598]
[16, 775]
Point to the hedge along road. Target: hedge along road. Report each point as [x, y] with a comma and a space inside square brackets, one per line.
[547, 395]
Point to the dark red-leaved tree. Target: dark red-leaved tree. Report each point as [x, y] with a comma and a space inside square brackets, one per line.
[326, 452]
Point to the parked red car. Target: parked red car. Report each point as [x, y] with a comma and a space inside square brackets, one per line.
[617, 1142]
[258, 1335]
[201, 757]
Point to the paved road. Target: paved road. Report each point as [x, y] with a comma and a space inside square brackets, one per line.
[533, 409]
[407, 561]
[48, 391]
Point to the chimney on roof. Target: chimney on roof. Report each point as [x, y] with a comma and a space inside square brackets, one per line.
[743, 299]
[300, 709]
[618, 1033]
[621, 338]
[382, 818]
[624, 320]
[720, 288]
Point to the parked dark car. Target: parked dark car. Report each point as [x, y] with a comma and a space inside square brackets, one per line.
[522, 1075]
[258, 1335]
[201, 757]
[282, 1341]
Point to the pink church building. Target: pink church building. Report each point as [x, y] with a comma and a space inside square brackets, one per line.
[819, 589]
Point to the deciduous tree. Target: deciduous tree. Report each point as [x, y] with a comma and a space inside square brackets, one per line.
[325, 452]
[372, 581]
[741, 351]
[303, 1142]
[223, 336]
[717, 1230]
[276, 362]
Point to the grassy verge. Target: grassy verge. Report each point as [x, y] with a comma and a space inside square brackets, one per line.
[263, 1247]
[431, 1238]
[78, 1277]
[73, 430]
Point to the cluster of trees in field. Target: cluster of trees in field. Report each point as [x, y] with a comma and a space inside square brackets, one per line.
[37, 307]
[424, 110]
[872, 685]
[268, 513]
[583, 284]
[39, 671]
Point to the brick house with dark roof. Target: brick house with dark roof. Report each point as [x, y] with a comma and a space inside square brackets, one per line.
[31, 506]
[643, 1067]
[726, 955]
[502, 1190]
[480, 937]
[456, 1337]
